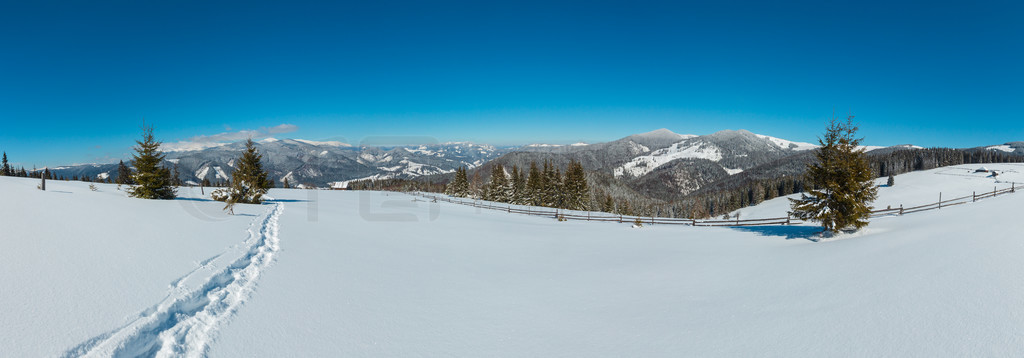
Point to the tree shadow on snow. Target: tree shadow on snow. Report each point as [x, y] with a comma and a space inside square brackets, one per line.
[285, 201]
[192, 199]
[787, 232]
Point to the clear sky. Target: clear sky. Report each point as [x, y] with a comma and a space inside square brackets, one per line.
[78, 77]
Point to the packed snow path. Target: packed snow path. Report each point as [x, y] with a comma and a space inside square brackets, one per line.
[183, 324]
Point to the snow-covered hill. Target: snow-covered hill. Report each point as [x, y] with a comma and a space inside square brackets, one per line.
[317, 163]
[330, 273]
[917, 188]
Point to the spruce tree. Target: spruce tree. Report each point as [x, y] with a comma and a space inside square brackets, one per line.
[518, 187]
[575, 187]
[499, 186]
[249, 182]
[152, 181]
[552, 186]
[891, 181]
[5, 168]
[460, 185]
[535, 186]
[608, 204]
[842, 180]
[286, 185]
[124, 174]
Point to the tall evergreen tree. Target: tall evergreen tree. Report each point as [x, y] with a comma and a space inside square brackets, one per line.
[286, 185]
[5, 168]
[249, 182]
[552, 186]
[535, 186]
[518, 186]
[499, 187]
[575, 187]
[124, 174]
[842, 180]
[152, 181]
[460, 185]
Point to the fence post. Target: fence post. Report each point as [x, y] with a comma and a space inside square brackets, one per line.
[1013, 187]
[588, 215]
[901, 209]
[787, 218]
[993, 191]
[694, 223]
[620, 218]
[652, 220]
[974, 196]
[940, 200]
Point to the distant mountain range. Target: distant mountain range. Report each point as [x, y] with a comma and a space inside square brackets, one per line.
[313, 163]
[660, 163]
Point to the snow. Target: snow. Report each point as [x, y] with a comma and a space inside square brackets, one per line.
[917, 188]
[349, 273]
[579, 144]
[77, 263]
[324, 143]
[184, 146]
[220, 173]
[1004, 147]
[290, 177]
[421, 150]
[201, 173]
[868, 148]
[103, 176]
[683, 150]
[786, 144]
[733, 171]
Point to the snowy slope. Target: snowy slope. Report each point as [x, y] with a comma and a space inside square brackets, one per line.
[916, 188]
[787, 144]
[486, 283]
[77, 263]
[684, 150]
[339, 273]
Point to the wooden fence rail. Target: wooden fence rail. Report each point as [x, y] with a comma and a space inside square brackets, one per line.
[605, 217]
[609, 217]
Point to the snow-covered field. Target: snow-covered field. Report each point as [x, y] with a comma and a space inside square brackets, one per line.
[331, 273]
[917, 188]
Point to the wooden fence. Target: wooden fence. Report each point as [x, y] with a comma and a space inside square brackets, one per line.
[563, 214]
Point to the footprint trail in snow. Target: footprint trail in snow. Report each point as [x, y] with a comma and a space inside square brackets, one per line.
[184, 323]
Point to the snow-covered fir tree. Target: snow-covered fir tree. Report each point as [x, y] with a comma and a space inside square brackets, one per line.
[499, 188]
[152, 181]
[574, 187]
[842, 180]
[535, 186]
[460, 185]
[249, 181]
[519, 196]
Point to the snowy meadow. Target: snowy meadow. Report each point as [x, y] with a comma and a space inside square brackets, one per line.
[369, 274]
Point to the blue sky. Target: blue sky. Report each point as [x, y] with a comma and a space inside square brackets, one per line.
[77, 78]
